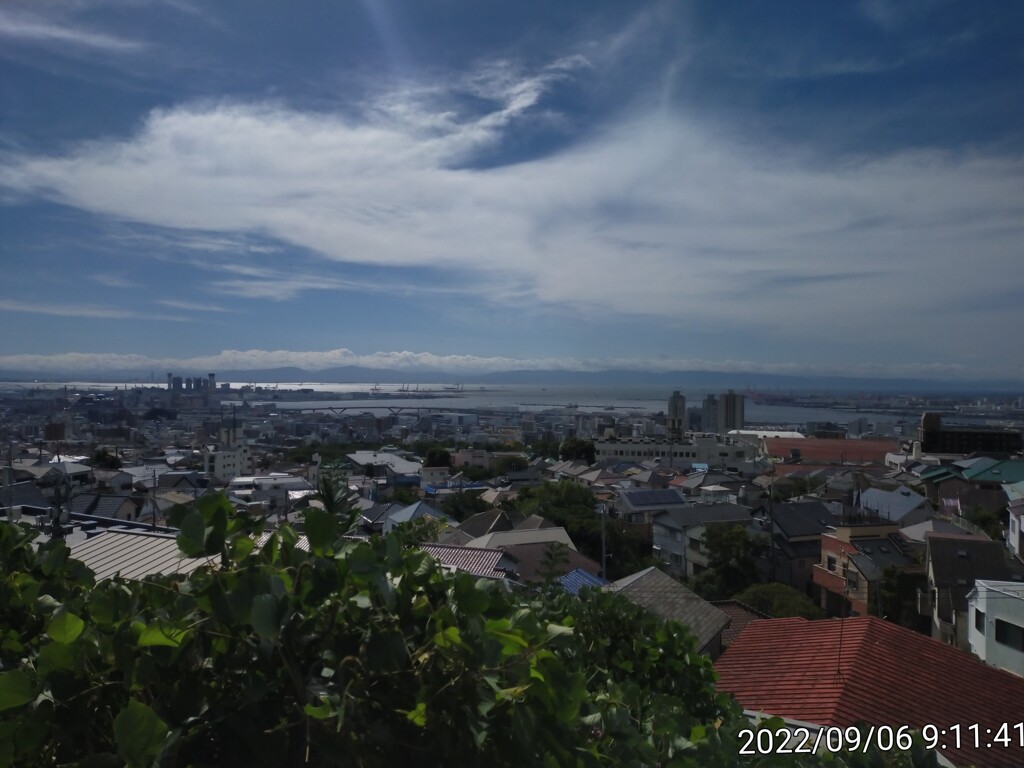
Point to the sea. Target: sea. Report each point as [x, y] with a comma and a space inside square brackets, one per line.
[618, 400]
[385, 397]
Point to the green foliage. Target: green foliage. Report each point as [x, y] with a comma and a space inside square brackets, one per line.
[577, 449]
[779, 601]
[351, 654]
[104, 459]
[572, 506]
[463, 504]
[896, 599]
[437, 456]
[732, 566]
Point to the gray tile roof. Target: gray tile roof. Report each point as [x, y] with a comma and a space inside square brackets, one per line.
[701, 514]
[646, 497]
[666, 597]
[802, 518]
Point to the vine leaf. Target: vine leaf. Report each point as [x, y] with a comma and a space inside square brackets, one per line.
[139, 733]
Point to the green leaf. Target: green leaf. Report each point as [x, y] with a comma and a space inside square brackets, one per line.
[16, 689]
[265, 617]
[192, 539]
[241, 548]
[321, 529]
[160, 635]
[139, 733]
[418, 716]
[555, 630]
[65, 627]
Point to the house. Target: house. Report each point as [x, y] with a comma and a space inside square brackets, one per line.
[740, 614]
[481, 562]
[638, 506]
[796, 548]
[676, 534]
[504, 539]
[1015, 512]
[661, 594]
[396, 517]
[104, 505]
[901, 505]
[434, 475]
[996, 631]
[577, 580]
[838, 672]
[854, 557]
[539, 562]
[953, 564]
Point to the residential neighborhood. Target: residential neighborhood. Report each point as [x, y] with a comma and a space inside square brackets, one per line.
[879, 580]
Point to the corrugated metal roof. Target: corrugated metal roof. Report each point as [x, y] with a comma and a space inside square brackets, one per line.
[134, 555]
[477, 561]
[836, 672]
[579, 579]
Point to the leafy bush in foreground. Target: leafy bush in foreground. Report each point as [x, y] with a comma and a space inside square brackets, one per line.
[354, 653]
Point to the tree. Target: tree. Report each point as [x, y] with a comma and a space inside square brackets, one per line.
[348, 653]
[572, 507]
[337, 501]
[437, 456]
[731, 562]
[577, 449]
[103, 459]
[779, 601]
[462, 504]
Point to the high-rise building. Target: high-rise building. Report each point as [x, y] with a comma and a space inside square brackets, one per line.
[730, 412]
[709, 420]
[676, 415]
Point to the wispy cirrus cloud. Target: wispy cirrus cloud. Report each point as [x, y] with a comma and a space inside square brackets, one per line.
[114, 281]
[25, 27]
[194, 306]
[91, 311]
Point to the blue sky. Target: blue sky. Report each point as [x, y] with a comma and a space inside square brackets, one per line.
[799, 186]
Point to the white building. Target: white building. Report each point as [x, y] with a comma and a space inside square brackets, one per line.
[675, 455]
[227, 463]
[996, 629]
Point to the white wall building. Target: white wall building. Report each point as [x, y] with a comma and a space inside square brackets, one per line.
[675, 455]
[228, 463]
[996, 629]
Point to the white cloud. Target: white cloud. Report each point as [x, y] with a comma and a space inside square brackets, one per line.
[82, 310]
[31, 28]
[406, 361]
[655, 216]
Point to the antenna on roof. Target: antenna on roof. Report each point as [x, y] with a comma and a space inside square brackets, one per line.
[839, 678]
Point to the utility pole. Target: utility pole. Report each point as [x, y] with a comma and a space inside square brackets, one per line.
[603, 510]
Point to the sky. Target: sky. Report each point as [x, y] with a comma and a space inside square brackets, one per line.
[473, 185]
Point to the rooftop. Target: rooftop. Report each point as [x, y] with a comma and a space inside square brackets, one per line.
[837, 672]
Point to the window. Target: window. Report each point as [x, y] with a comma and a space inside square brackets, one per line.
[852, 580]
[979, 620]
[832, 563]
[1010, 635]
[694, 543]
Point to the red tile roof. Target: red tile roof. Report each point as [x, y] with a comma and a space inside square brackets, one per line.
[884, 675]
[813, 449]
[741, 615]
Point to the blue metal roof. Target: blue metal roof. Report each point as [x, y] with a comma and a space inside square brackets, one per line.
[579, 579]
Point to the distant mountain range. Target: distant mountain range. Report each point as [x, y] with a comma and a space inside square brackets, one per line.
[683, 380]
